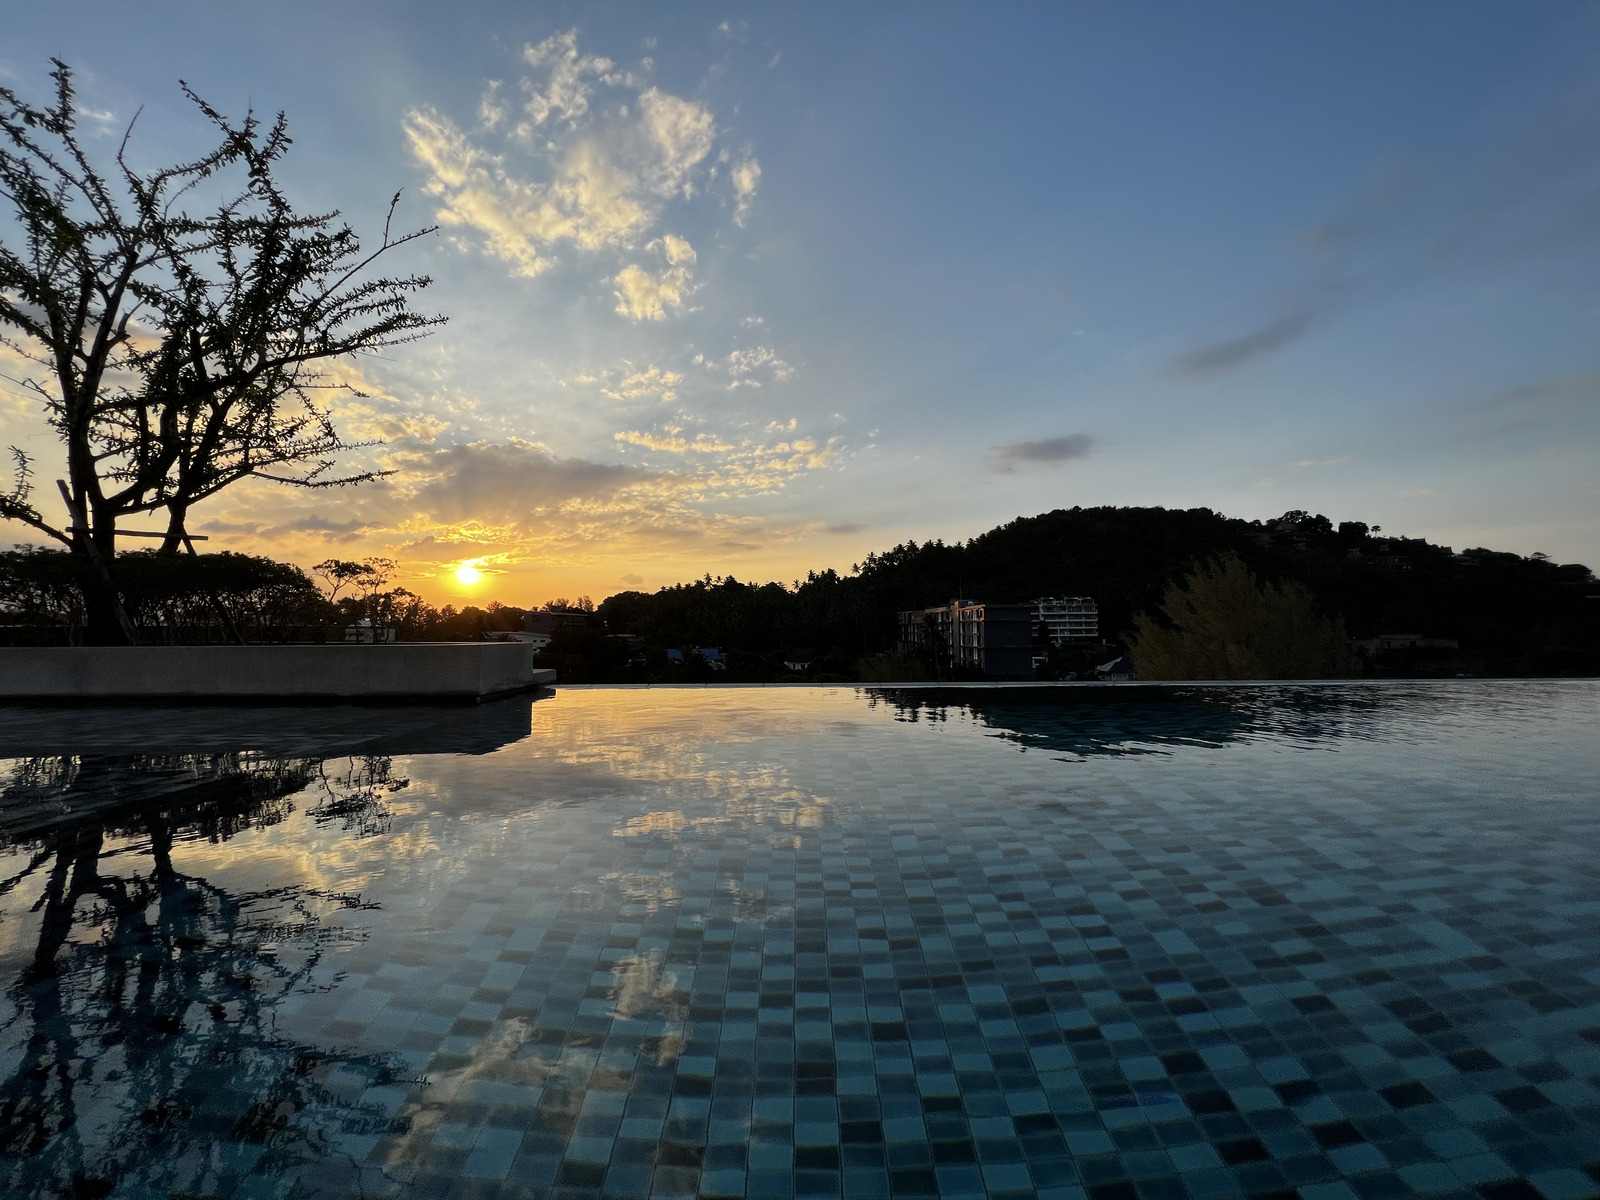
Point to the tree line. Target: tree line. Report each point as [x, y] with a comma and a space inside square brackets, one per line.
[229, 597]
[1193, 593]
[1150, 570]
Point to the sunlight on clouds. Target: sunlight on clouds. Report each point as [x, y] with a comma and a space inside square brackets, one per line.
[642, 296]
[745, 175]
[568, 85]
[646, 297]
[703, 444]
[742, 365]
[514, 217]
[681, 133]
[368, 412]
[652, 381]
[677, 249]
[748, 468]
[17, 404]
[575, 169]
[518, 506]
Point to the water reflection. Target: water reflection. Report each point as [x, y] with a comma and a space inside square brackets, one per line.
[140, 1033]
[1088, 722]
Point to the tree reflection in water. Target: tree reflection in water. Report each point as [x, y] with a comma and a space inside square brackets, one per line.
[1090, 722]
[141, 1037]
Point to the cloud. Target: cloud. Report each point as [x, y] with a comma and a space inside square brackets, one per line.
[339, 531]
[680, 132]
[632, 579]
[522, 501]
[741, 468]
[230, 527]
[596, 154]
[1233, 353]
[743, 365]
[672, 443]
[569, 78]
[642, 296]
[1527, 193]
[677, 250]
[746, 176]
[519, 506]
[514, 217]
[652, 381]
[1560, 409]
[514, 480]
[1048, 451]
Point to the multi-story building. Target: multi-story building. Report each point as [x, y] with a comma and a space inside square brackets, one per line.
[997, 639]
[1068, 618]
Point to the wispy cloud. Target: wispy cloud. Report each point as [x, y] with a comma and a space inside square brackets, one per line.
[652, 381]
[674, 443]
[1044, 452]
[1528, 193]
[745, 366]
[746, 177]
[588, 159]
[1235, 352]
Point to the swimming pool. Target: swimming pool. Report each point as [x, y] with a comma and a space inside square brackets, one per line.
[1194, 941]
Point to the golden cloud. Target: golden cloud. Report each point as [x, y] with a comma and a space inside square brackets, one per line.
[565, 173]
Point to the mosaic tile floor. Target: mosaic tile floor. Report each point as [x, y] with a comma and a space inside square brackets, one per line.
[1326, 942]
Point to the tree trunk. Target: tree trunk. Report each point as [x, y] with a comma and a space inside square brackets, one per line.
[100, 612]
[106, 621]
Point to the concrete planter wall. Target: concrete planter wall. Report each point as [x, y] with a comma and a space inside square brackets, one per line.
[407, 671]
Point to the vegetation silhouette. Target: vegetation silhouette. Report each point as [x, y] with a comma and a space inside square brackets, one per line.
[177, 351]
[1511, 614]
[1224, 623]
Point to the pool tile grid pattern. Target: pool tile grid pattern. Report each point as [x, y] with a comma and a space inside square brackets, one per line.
[1212, 995]
[857, 957]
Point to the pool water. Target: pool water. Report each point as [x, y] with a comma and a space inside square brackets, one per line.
[1325, 941]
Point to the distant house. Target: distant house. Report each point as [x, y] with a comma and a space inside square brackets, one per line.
[997, 639]
[798, 660]
[1068, 618]
[715, 658]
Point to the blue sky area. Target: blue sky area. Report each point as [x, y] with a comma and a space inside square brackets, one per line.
[757, 289]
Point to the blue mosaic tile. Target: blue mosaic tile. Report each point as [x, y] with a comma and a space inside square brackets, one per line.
[1092, 943]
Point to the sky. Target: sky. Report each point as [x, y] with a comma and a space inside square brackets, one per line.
[755, 290]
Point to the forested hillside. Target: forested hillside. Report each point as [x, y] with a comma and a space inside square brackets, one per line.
[1511, 614]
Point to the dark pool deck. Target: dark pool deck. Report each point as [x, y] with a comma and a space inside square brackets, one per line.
[1326, 942]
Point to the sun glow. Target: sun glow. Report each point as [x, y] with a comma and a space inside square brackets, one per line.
[468, 574]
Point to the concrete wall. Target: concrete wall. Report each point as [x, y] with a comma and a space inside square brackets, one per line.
[409, 670]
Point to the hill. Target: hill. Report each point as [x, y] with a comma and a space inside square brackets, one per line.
[1510, 614]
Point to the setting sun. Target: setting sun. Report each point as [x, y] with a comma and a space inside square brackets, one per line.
[468, 574]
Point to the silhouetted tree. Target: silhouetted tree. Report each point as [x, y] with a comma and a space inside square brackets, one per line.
[177, 353]
[1224, 624]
